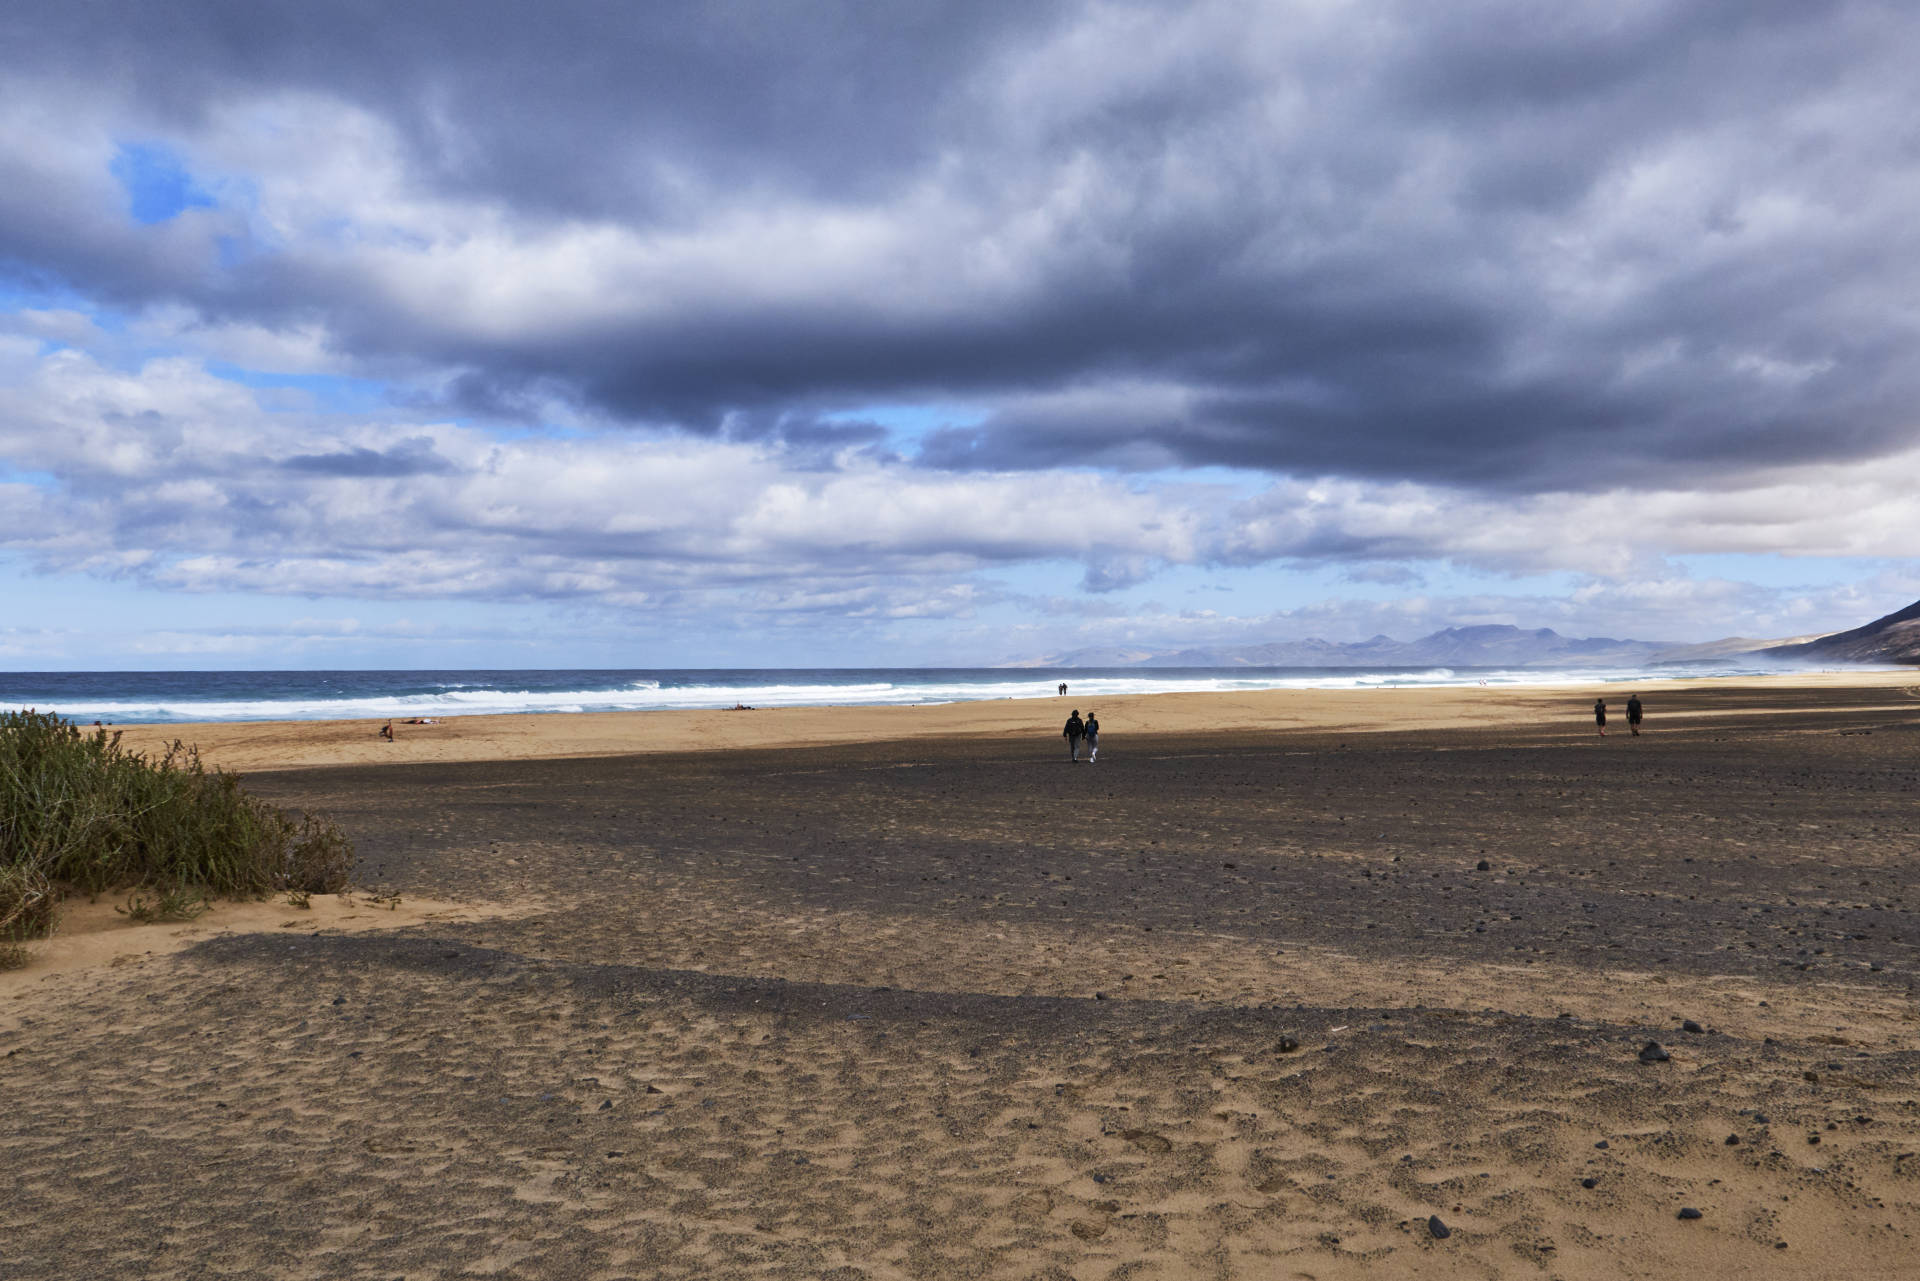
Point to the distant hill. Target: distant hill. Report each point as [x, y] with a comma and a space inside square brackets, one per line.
[1489, 645]
[1893, 639]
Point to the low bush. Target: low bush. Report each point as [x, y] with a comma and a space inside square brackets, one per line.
[79, 813]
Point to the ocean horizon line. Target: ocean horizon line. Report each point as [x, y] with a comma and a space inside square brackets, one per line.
[165, 697]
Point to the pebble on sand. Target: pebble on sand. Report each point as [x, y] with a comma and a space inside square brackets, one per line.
[1688, 1212]
[1654, 1052]
[1440, 1230]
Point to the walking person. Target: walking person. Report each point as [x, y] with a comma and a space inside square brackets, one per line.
[1600, 715]
[1633, 714]
[1093, 737]
[1074, 729]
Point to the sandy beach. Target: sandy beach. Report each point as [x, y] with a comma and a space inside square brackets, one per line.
[279, 745]
[1305, 985]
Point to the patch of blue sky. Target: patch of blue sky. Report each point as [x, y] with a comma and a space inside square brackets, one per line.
[157, 183]
[336, 393]
[912, 421]
[24, 292]
[42, 480]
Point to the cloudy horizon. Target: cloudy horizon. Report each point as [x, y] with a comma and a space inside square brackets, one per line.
[801, 334]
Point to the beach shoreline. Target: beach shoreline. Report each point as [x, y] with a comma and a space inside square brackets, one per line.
[270, 745]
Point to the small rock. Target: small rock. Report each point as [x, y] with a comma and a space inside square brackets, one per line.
[1688, 1212]
[606, 1105]
[1602, 1145]
[1653, 1052]
[1760, 1118]
[1688, 1025]
[1813, 1140]
[339, 1000]
[1733, 1140]
[1440, 1230]
[1589, 1183]
[1099, 996]
[1481, 866]
[1285, 1045]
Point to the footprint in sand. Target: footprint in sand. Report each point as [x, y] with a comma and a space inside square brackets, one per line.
[1148, 1141]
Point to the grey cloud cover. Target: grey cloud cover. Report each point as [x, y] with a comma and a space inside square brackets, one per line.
[1505, 247]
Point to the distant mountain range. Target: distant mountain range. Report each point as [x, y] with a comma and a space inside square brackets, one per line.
[1893, 639]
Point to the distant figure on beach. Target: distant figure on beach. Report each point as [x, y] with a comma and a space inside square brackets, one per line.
[1063, 689]
[1600, 715]
[1075, 728]
[1093, 737]
[386, 731]
[1634, 714]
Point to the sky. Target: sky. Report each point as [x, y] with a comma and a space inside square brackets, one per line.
[816, 333]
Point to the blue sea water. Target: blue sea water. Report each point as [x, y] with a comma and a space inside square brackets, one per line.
[172, 697]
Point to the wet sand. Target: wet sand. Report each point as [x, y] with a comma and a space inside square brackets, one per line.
[1240, 1003]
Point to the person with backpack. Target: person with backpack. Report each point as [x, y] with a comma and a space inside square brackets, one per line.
[1075, 728]
[1093, 738]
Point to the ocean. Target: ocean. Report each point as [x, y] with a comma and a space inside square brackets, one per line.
[172, 697]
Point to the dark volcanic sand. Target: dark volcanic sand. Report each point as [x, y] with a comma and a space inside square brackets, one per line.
[962, 1009]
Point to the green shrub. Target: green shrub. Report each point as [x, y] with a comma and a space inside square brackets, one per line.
[77, 811]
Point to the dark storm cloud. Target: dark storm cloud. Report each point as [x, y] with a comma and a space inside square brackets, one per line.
[1498, 245]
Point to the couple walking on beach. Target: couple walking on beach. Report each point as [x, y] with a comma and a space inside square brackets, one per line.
[1634, 713]
[1078, 729]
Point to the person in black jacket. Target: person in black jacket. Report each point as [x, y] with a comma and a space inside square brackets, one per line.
[1633, 715]
[1600, 715]
[1075, 728]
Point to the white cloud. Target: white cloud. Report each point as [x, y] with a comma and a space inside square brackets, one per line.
[178, 478]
